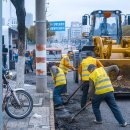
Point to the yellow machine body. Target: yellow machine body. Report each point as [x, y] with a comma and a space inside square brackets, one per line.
[110, 53]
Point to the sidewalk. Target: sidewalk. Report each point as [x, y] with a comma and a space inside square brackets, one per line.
[41, 117]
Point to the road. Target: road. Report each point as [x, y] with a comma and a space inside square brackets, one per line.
[85, 120]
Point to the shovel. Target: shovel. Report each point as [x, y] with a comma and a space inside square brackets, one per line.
[65, 103]
[86, 106]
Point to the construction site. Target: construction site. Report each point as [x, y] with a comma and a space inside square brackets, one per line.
[60, 77]
[111, 48]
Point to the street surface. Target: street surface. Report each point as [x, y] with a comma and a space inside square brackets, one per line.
[84, 121]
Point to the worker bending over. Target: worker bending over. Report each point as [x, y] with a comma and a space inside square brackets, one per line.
[101, 89]
[65, 65]
[84, 74]
[60, 84]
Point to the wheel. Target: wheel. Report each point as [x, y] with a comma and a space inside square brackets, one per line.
[19, 111]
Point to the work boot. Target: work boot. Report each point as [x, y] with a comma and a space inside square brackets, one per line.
[123, 125]
[64, 94]
[57, 107]
[97, 122]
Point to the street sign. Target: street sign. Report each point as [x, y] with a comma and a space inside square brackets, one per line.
[57, 26]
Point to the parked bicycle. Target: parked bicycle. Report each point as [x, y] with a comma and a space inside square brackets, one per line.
[17, 103]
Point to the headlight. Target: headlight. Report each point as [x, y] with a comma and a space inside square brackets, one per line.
[10, 73]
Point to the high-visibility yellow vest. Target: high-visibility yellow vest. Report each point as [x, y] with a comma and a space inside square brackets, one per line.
[60, 78]
[101, 81]
[85, 63]
[62, 64]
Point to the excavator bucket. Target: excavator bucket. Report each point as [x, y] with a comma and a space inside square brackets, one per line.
[121, 87]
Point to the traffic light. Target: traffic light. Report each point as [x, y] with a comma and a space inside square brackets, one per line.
[84, 20]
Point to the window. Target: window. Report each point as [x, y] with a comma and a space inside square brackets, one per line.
[53, 54]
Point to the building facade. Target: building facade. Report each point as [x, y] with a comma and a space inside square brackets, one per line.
[75, 30]
[29, 20]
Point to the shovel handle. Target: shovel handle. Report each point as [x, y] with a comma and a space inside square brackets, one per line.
[73, 93]
[89, 103]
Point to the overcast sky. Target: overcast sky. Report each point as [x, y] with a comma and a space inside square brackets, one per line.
[72, 10]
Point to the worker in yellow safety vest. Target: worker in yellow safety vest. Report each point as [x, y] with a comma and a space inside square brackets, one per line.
[84, 74]
[59, 79]
[65, 65]
[101, 89]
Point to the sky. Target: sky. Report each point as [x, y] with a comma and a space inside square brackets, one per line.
[72, 10]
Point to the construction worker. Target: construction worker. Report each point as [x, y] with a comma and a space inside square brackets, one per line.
[101, 89]
[60, 84]
[84, 74]
[65, 65]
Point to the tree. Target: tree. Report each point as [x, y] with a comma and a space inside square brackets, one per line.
[32, 33]
[49, 33]
[20, 12]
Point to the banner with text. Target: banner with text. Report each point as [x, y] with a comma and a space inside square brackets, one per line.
[57, 26]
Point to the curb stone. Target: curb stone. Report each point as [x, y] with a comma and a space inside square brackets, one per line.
[52, 119]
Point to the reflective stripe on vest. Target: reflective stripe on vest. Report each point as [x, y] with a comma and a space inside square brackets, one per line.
[101, 81]
[62, 66]
[60, 78]
[85, 63]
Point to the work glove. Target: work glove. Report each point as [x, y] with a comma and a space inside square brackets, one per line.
[119, 77]
[73, 69]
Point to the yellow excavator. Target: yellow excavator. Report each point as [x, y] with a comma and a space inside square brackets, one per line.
[109, 46]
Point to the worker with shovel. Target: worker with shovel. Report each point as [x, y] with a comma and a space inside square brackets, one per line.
[84, 73]
[101, 89]
[60, 84]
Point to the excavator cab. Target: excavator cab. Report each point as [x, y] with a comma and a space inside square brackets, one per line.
[110, 46]
[105, 23]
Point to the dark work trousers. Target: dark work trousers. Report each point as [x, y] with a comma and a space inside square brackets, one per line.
[57, 94]
[84, 98]
[110, 100]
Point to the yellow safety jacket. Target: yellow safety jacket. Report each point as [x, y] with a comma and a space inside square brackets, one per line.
[62, 64]
[85, 63]
[60, 78]
[101, 81]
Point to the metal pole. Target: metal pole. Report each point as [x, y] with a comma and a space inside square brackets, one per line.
[41, 39]
[1, 114]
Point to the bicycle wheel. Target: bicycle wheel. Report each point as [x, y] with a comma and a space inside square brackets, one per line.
[19, 111]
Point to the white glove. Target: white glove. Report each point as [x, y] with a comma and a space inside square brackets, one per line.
[119, 77]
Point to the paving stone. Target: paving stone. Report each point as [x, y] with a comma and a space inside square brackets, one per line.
[17, 128]
[41, 110]
[32, 123]
[43, 120]
[12, 123]
[39, 129]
